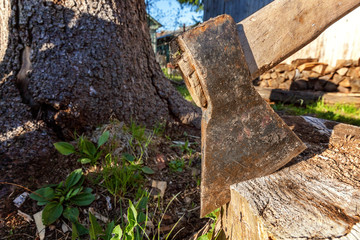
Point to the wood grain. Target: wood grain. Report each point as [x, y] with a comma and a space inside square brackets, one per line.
[282, 27]
[316, 197]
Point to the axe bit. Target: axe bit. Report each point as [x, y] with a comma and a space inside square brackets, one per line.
[241, 136]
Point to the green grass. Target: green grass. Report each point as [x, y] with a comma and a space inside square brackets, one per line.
[182, 88]
[345, 113]
[184, 92]
[177, 78]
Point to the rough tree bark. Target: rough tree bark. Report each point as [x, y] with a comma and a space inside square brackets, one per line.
[74, 64]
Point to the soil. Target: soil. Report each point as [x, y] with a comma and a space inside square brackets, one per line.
[183, 211]
[182, 215]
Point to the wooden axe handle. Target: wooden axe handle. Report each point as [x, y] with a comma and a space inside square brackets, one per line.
[283, 27]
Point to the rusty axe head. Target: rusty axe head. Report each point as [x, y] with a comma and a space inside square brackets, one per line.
[242, 137]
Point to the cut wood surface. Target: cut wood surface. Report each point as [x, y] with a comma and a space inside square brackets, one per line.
[316, 196]
[283, 27]
[290, 96]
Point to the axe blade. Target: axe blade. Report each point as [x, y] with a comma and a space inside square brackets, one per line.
[241, 136]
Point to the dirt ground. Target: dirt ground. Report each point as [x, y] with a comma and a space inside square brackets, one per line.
[182, 214]
[183, 211]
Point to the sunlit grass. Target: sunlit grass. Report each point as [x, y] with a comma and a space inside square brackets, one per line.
[346, 113]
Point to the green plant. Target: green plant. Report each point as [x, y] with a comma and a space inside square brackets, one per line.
[62, 199]
[184, 147]
[96, 231]
[346, 113]
[86, 150]
[177, 165]
[133, 229]
[210, 234]
[162, 217]
[123, 175]
[159, 129]
[139, 141]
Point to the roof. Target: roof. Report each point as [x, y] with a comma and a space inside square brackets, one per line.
[174, 33]
[153, 23]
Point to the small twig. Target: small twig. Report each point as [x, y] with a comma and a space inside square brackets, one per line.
[17, 185]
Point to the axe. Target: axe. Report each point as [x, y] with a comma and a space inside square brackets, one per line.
[241, 136]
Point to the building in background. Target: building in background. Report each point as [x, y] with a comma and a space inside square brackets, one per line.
[163, 43]
[153, 26]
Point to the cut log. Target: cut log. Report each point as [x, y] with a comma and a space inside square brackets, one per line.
[316, 196]
[290, 96]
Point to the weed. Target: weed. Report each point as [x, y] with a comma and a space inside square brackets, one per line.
[162, 217]
[61, 199]
[139, 141]
[132, 229]
[210, 234]
[123, 175]
[184, 147]
[159, 129]
[86, 150]
[177, 165]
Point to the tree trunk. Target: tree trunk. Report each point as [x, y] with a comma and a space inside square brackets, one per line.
[72, 65]
[316, 196]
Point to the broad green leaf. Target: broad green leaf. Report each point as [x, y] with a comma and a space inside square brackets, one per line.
[73, 178]
[108, 230]
[141, 218]
[142, 203]
[117, 233]
[147, 170]
[71, 213]
[128, 157]
[43, 195]
[87, 190]
[69, 193]
[98, 155]
[85, 160]
[89, 148]
[103, 138]
[51, 213]
[73, 192]
[83, 199]
[95, 228]
[64, 148]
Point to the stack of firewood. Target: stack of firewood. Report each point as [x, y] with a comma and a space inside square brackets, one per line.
[309, 74]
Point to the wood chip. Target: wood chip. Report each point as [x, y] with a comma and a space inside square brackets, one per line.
[161, 185]
[65, 228]
[98, 215]
[26, 217]
[39, 225]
